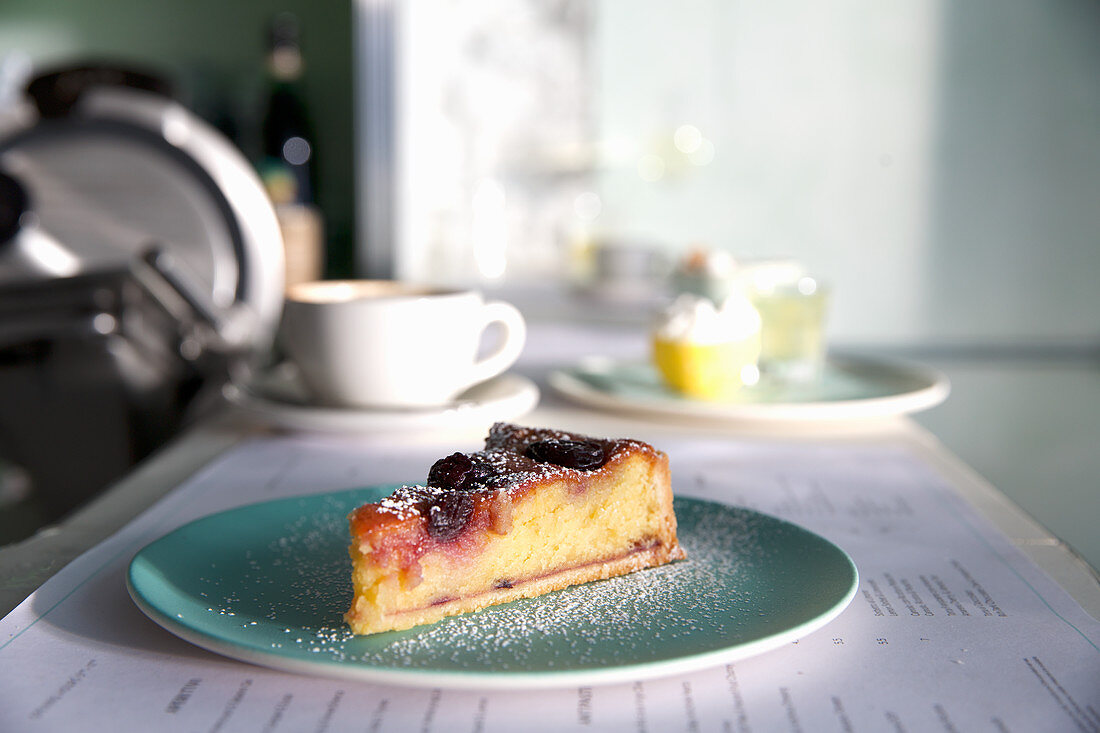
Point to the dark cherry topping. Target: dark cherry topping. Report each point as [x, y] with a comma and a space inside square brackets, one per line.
[449, 511]
[585, 455]
[511, 455]
[449, 514]
[481, 475]
[451, 472]
[459, 472]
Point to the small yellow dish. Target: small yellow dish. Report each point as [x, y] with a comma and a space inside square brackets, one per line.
[705, 351]
[707, 371]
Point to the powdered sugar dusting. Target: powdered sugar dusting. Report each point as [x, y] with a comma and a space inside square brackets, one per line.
[291, 594]
[274, 579]
[636, 614]
[508, 466]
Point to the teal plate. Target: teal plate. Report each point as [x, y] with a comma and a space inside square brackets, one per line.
[848, 388]
[269, 583]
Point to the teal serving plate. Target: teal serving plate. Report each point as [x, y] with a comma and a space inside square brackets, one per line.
[269, 583]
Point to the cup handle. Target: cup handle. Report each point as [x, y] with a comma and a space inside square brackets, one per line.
[511, 344]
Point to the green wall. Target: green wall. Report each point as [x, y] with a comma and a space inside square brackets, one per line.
[214, 52]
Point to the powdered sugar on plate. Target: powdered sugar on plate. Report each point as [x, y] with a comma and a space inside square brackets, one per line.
[270, 583]
[573, 626]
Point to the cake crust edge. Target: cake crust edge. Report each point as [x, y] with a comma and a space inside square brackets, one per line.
[637, 560]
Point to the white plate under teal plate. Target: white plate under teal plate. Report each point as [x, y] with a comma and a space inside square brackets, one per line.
[847, 389]
[269, 583]
[277, 398]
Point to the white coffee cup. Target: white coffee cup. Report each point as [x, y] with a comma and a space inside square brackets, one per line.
[387, 344]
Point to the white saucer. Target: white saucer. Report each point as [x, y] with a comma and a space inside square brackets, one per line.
[278, 398]
[849, 389]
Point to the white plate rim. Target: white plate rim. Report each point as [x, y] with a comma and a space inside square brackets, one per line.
[510, 396]
[936, 388]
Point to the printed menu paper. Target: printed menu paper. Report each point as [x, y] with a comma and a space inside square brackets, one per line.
[951, 628]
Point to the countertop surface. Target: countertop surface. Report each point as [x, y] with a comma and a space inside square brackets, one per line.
[948, 577]
[1027, 426]
[1031, 427]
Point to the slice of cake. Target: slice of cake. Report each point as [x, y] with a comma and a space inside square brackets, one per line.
[535, 511]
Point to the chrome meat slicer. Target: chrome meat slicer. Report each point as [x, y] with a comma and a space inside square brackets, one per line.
[141, 263]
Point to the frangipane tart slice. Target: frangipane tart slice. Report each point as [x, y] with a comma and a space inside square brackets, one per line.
[535, 511]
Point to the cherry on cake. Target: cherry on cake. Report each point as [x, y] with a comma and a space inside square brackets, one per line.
[535, 511]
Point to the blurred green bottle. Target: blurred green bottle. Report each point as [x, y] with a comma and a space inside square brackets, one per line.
[288, 167]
